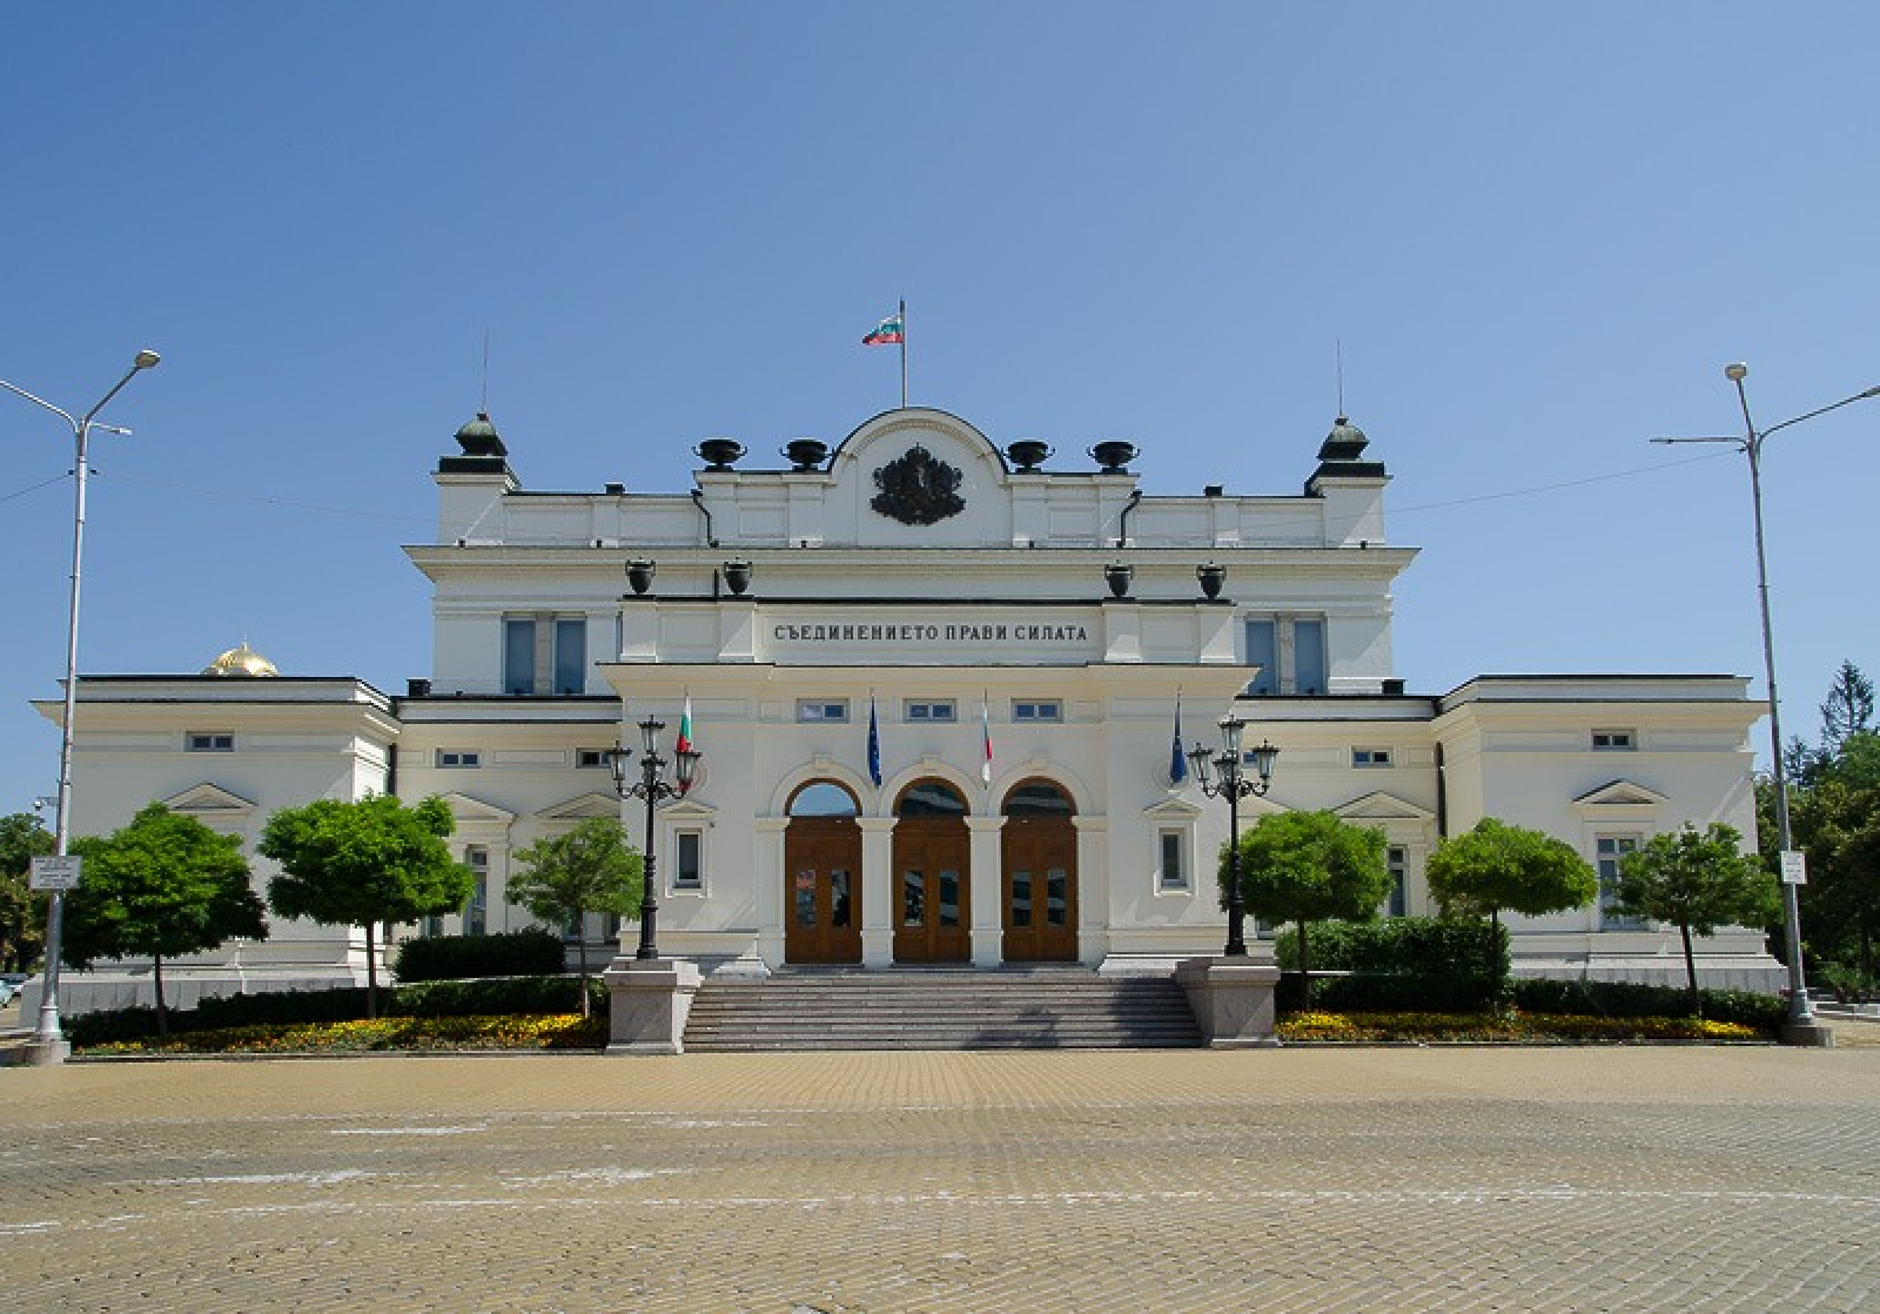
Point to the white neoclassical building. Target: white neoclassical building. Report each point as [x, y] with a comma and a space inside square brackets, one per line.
[1020, 640]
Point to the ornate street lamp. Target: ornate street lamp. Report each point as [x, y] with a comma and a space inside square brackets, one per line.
[48, 1039]
[1234, 784]
[1801, 1012]
[651, 786]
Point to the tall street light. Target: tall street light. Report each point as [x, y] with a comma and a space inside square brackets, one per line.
[1234, 784]
[651, 786]
[48, 1039]
[1801, 1012]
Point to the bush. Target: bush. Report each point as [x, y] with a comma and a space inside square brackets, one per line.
[533, 952]
[1633, 999]
[429, 999]
[1399, 964]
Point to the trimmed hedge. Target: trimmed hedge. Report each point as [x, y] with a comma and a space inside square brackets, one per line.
[1398, 964]
[533, 952]
[513, 995]
[1632, 999]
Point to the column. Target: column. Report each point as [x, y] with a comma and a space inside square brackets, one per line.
[988, 890]
[878, 911]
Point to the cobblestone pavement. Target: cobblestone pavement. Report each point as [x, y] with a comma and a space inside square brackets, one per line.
[1600, 1179]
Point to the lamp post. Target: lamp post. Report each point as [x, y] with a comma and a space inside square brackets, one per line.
[651, 786]
[48, 1038]
[1234, 784]
[1801, 1012]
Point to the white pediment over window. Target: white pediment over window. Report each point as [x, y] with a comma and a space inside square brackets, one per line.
[687, 812]
[581, 808]
[208, 803]
[1173, 810]
[1380, 806]
[1621, 794]
[475, 812]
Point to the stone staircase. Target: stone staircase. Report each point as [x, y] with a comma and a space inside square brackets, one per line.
[940, 1009]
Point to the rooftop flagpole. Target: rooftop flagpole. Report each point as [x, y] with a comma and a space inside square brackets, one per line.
[903, 316]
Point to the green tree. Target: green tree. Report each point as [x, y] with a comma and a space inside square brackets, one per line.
[1497, 867]
[363, 863]
[1838, 824]
[22, 912]
[563, 878]
[1697, 882]
[1304, 867]
[1848, 708]
[163, 886]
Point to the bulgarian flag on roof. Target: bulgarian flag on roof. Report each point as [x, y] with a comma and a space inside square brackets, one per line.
[890, 331]
[684, 742]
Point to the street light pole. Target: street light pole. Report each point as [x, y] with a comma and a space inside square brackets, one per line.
[48, 1039]
[1801, 1011]
[1234, 784]
[652, 786]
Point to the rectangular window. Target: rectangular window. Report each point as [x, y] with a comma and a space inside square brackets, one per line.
[591, 758]
[1291, 653]
[1609, 849]
[688, 871]
[1263, 651]
[1174, 874]
[929, 709]
[1038, 709]
[1370, 757]
[1396, 861]
[217, 742]
[459, 757]
[1614, 740]
[476, 912]
[1309, 674]
[570, 656]
[820, 709]
[545, 654]
[519, 656]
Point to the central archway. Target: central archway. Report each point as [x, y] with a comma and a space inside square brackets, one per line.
[822, 865]
[932, 859]
[1038, 848]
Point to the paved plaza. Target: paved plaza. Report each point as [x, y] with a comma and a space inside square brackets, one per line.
[1660, 1178]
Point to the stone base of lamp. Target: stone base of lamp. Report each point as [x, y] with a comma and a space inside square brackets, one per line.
[35, 1053]
[649, 1000]
[1232, 999]
[1808, 1034]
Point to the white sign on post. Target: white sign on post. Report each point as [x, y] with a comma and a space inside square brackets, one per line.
[51, 872]
[1794, 867]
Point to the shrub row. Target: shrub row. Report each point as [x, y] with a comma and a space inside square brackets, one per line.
[1630, 999]
[533, 952]
[1415, 946]
[428, 999]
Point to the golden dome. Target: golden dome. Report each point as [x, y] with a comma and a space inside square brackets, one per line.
[240, 661]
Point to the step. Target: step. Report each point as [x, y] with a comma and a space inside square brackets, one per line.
[940, 1009]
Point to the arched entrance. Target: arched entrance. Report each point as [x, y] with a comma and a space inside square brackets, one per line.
[822, 873]
[932, 856]
[1038, 847]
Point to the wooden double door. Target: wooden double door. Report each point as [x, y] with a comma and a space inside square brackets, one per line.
[1039, 890]
[932, 891]
[822, 858]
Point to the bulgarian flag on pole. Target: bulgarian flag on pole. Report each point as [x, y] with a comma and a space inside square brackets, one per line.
[890, 331]
[985, 728]
[684, 742]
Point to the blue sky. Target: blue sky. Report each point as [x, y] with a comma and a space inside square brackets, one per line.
[1538, 233]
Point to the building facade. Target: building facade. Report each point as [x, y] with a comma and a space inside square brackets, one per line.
[937, 687]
